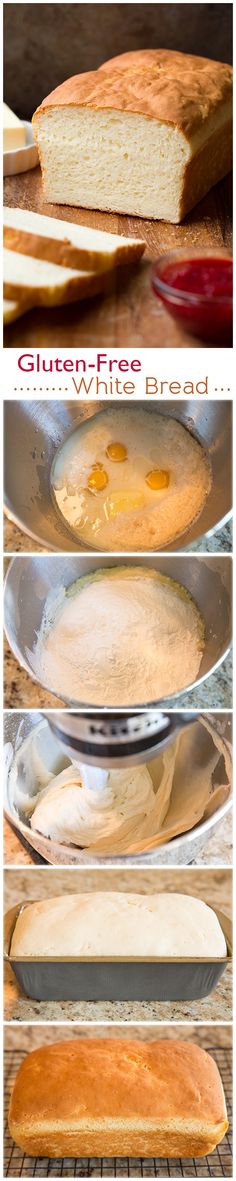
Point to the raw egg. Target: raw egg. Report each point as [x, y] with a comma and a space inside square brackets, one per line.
[97, 479]
[117, 452]
[157, 479]
[128, 480]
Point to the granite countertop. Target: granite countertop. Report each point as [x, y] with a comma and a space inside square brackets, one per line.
[29, 1037]
[17, 542]
[220, 542]
[20, 691]
[212, 886]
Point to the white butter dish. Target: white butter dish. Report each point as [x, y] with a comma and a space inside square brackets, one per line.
[21, 159]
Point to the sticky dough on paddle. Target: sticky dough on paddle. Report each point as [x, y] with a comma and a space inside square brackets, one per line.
[140, 808]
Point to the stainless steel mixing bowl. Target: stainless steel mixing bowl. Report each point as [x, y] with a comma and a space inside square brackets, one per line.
[30, 580]
[34, 431]
[181, 851]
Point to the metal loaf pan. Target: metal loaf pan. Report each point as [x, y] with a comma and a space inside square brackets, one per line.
[117, 978]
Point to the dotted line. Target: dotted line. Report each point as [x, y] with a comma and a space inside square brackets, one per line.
[50, 389]
[21, 389]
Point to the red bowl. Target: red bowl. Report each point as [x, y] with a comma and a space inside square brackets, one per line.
[196, 286]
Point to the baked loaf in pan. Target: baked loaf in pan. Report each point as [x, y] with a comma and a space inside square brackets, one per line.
[147, 134]
[118, 924]
[95, 1097]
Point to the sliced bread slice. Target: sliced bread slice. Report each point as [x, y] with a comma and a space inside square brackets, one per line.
[45, 283]
[13, 309]
[65, 243]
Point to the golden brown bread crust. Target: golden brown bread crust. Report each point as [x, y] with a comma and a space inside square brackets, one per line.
[176, 88]
[112, 1097]
[118, 1141]
[214, 159]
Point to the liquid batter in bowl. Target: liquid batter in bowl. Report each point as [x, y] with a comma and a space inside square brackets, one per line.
[130, 480]
[122, 636]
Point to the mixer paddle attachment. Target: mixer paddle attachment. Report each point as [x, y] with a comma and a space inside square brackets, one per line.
[94, 778]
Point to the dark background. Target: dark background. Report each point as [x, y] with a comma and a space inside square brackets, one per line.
[46, 43]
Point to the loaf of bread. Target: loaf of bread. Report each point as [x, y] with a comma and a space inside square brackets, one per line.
[67, 244]
[148, 134]
[118, 924]
[95, 1097]
[43, 283]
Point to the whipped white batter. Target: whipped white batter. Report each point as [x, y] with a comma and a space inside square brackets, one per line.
[69, 807]
[124, 636]
[125, 513]
[139, 809]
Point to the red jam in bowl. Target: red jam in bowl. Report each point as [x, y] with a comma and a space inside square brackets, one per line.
[198, 291]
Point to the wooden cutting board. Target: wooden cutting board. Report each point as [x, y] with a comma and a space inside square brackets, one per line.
[129, 315]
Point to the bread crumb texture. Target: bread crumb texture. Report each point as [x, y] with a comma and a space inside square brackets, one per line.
[122, 138]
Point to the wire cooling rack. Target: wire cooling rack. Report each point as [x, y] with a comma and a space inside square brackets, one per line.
[218, 1164]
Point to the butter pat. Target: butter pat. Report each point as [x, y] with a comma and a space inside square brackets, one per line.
[14, 132]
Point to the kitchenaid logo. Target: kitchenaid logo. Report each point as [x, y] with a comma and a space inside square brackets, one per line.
[104, 376]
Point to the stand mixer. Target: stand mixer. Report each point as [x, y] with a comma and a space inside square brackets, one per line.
[98, 744]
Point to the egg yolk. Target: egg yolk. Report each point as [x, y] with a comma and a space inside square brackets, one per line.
[98, 479]
[117, 452]
[157, 479]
